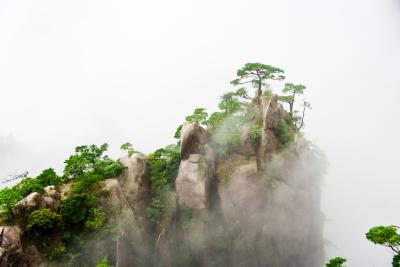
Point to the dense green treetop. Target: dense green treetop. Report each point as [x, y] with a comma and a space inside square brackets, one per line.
[257, 74]
[336, 262]
[292, 90]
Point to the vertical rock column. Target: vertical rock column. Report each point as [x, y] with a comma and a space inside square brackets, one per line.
[195, 176]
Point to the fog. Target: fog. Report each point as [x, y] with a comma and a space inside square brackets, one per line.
[82, 72]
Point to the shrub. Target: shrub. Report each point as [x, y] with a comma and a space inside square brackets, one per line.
[164, 164]
[43, 221]
[96, 219]
[83, 160]
[128, 147]
[255, 134]
[178, 131]
[54, 253]
[156, 209]
[87, 183]
[187, 217]
[28, 186]
[103, 263]
[108, 168]
[76, 208]
[48, 177]
[336, 262]
[8, 198]
[283, 134]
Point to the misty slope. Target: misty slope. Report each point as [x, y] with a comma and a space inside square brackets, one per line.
[241, 187]
[251, 202]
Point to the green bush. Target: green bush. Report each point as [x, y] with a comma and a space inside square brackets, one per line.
[255, 134]
[164, 164]
[48, 177]
[87, 183]
[103, 263]
[96, 219]
[8, 198]
[43, 221]
[108, 168]
[156, 210]
[28, 186]
[187, 217]
[53, 253]
[76, 208]
[336, 262]
[283, 134]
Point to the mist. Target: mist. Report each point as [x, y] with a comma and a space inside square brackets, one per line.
[84, 72]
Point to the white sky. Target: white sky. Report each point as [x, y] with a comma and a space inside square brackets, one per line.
[81, 72]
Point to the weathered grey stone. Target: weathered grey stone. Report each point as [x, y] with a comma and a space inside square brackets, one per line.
[11, 253]
[135, 180]
[191, 182]
[52, 203]
[51, 191]
[31, 203]
[193, 139]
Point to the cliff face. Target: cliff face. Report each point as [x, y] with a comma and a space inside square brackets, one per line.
[256, 204]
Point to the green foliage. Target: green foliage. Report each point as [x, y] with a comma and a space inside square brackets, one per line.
[8, 198]
[389, 237]
[48, 177]
[96, 219]
[29, 185]
[43, 221]
[271, 181]
[232, 102]
[187, 217]
[226, 137]
[164, 164]
[216, 119]
[293, 90]
[53, 253]
[107, 167]
[286, 98]
[255, 134]
[87, 183]
[386, 236]
[283, 134]
[83, 160]
[396, 261]
[336, 262]
[156, 210]
[128, 148]
[199, 116]
[178, 131]
[257, 75]
[103, 263]
[75, 209]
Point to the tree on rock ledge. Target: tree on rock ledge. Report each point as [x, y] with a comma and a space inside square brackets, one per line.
[257, 75]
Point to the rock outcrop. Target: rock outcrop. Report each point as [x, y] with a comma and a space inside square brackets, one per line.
[11, 252]
[196, 169]
[272, 114]
[29, 204]
[134, 181]
[251, 204]
[193, 139]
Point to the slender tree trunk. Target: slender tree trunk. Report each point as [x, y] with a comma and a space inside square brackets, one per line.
[292, 103]
[259, 92]
[302, 117]
[11, 212]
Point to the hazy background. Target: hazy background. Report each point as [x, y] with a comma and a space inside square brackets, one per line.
[81, 72]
